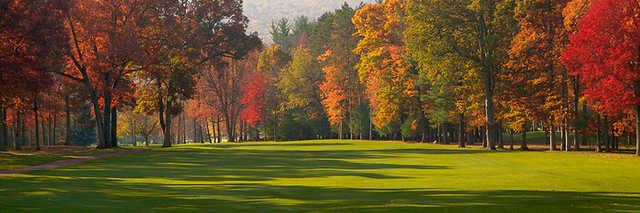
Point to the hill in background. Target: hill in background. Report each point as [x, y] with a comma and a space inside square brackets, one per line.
[262, 12]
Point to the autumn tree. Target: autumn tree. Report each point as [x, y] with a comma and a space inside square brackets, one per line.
[475, 31]
[270, 62]
[103, 38]
[301, 104]
[383, 68]
[253, 98]
[31, 42]
[604, 52]
[341, 90]
[194, 35]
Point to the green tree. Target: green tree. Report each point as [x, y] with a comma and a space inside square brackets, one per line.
[473, 30]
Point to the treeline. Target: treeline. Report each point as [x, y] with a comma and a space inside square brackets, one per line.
[80, 62]
[419, 70]
[458, 71]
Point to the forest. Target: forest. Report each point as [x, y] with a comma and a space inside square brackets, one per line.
[381, 106]
[169, 72]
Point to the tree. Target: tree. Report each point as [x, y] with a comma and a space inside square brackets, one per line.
[103, 38]
[604, 52]
[32, 41]
[341, 89]
[253, 89]
[473, 30]
[301, 105]
[270, 62]
[134, 124]
[194, 35]
[536, 50]
[383, 68]
[281, 33]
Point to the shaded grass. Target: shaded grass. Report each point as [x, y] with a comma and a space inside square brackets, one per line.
[11, 160]
[331, 176]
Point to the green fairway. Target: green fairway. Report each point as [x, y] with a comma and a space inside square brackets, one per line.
[335, 176]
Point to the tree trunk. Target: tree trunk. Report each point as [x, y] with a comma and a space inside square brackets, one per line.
[195, 130]
[98, 119]
[586, 116]
[219, 133]
[523, 142]
[552, 140]
[45, 130]
[113, 134]
[484, 137]
[18, 131]
[165, 121]
[512, 142]
[607, 141]
[576, 114]
[37, 126]
[638, 130]
[3, 129]
[106, 134]
[340, 131]
[184, 129]
[214, 133]
[565, 108]
[370, 126]
[499, 135]
[598, 135]
[67, 130]
[49, 131]
[461, 142]
[230, 126]
[208, 131]
[134, 140]
[54, 138]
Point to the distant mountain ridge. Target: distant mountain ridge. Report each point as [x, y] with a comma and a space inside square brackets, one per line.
[262, 12]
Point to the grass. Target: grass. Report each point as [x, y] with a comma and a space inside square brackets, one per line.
[11, 160]
[332, 176]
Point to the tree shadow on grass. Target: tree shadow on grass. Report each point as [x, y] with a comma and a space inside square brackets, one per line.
[281, 144]
[118, 196]
[239, 181]
[244, 165]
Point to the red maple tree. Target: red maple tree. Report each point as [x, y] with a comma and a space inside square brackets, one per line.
[605, 52]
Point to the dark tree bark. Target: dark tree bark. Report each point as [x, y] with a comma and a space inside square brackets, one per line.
[576, 113]
[184, 128]
[638, 130]
[512, 142]
[208, 131]
[598, 133]
[19, 130]
[499, 135]
[164, 113]
[218, 133]
[133, 131]
[4, 140]
[67, 130]
[195, 131]
[45, 131]
[484, 137]
[106, 113]
[54, 138]
[552, 140]
[461, 141]
[523, 142]
[37, 126]
[607, 141]
[114, 128]
[565, 106]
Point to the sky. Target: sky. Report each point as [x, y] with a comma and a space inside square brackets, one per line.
[262, 12]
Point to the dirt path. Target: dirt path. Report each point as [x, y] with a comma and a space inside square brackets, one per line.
[62, 163]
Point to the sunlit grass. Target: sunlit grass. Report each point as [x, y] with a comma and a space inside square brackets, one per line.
[332, 176]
